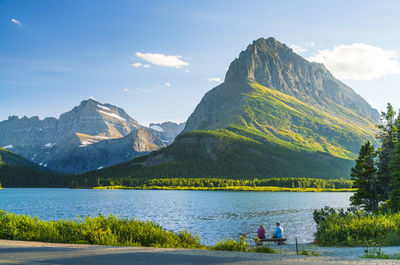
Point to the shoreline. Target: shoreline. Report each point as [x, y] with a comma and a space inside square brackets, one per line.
[228, 188]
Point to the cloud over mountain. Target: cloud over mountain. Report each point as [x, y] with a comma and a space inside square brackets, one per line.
[358, 61]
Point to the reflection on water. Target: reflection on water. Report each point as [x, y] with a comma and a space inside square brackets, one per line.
[213, 215]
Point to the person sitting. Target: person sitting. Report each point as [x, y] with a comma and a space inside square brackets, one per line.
[261, 232]
[278, 232]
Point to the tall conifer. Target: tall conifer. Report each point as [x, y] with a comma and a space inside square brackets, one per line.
[394, 195]
[364, 175]
[386, 135]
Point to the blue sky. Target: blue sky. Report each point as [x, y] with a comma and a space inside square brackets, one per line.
[156, 59]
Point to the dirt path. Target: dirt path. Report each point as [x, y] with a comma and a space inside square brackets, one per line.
[20, 252]
[347, 252]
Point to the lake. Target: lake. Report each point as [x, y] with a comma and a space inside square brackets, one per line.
[213, 215]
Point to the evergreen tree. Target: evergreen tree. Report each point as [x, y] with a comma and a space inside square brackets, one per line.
[386, 135]
[394, 196]
[364, 175]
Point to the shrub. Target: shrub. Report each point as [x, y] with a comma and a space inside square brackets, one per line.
[99, 230]
[355, 228]
[375, 253]
[232, 245]
[264, 249]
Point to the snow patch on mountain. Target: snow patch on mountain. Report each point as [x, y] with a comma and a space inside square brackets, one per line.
[114, 115]
[104, 107]
[157, 128]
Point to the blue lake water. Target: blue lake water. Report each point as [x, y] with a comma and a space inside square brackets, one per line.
[213, 215]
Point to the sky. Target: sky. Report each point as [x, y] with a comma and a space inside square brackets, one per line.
[157, 59]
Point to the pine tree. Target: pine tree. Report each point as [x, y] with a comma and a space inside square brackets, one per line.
[364, 175]
[386, 135]
[394, 196]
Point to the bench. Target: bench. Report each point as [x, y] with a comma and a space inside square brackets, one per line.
[281, 241]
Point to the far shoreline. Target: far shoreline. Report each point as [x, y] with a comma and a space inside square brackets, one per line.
[228, 188]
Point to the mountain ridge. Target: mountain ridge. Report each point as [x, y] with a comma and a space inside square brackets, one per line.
[258, 63]
[67, 144]
[244, 128]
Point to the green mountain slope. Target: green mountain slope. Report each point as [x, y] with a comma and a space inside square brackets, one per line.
[275, 115]
[8, 158]
[16, 171]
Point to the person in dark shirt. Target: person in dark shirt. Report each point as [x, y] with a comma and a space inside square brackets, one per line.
[261, 232]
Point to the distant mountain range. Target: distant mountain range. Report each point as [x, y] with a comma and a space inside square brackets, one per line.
[276, 114]
[90, 136]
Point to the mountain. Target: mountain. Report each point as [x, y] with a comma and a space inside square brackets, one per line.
[167, 131]
[275, 115]
[16, 171]
[90, 136]
[8, 158]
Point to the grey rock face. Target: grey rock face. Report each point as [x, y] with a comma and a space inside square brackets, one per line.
[109, 152]
[274, 65]
[167, 131]
[89, 136]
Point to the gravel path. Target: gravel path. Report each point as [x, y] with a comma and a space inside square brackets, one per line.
[348, 252]
[21, 252]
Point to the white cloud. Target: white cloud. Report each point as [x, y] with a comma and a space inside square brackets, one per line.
[143, 90]
[358, 61]
[214, 79]
[187, 71]
[302, 48]
[126, 90]
[297, 48]
[168, 84]
[16, 22]
[163, 60]
[137, 65]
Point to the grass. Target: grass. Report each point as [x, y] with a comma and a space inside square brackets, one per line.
[352, 228]
[112, 231]
[99, 230]
[306, 252]
[241, 245]
[231, 245]
[228, 188]
[375, 253]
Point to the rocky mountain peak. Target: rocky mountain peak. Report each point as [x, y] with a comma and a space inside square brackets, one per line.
[91, 135]
[94, 118]
[276, 66]
[167, 131]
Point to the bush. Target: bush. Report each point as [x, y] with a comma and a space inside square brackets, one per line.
[355, 228]
[375, 253]
[99, 230]
[264, 249]
[232, 245]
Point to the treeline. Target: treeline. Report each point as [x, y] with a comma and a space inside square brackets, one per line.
[12, 176]
[36, 179]
[376, 174]
[218, 182]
